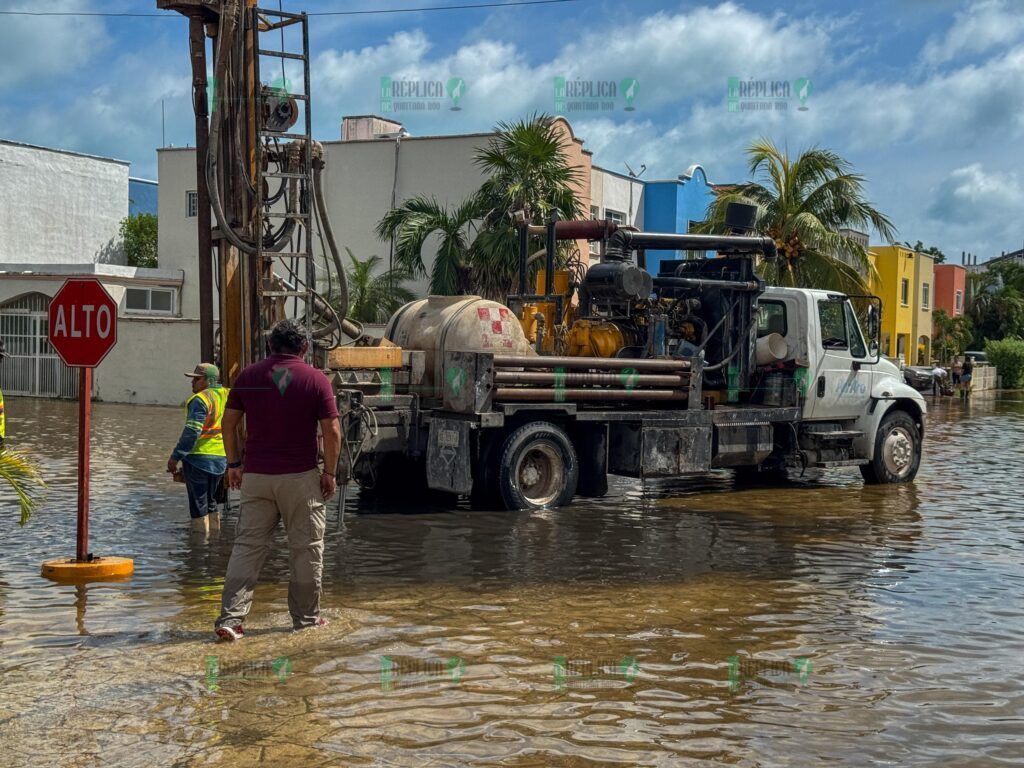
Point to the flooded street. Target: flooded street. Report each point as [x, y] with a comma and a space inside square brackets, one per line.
[815, 623]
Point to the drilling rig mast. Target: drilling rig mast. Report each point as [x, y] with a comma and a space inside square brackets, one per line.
[259, 173]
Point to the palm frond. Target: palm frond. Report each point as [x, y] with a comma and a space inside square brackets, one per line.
[23, 476]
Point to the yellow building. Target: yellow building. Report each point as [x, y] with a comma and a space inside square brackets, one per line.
[905, 283]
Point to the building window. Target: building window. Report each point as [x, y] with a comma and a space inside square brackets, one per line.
[616, 217]
[926, 291]
[958, 302]
[904, 292]
[191, 204]
[594, 245]
[595, 213]
[159, 301]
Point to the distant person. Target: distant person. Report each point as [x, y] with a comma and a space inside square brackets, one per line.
[958, 369]
[283, 400]
[200, 448]
[938, 380]
[966, 377]
[3, 418]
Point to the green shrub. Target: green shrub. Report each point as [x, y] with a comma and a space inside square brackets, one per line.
[1008, 356]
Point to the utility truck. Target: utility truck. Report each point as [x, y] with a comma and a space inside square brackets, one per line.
[612, 370]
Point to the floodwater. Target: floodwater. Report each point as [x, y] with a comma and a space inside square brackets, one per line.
[685, 623]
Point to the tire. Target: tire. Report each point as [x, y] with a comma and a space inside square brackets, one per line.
[897, 454]
[537, 467]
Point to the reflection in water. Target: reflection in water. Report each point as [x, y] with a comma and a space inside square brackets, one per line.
[903, 601]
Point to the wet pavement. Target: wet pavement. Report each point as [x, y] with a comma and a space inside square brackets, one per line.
[698, 622]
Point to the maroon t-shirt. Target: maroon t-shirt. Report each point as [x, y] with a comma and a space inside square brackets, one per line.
[282, 398]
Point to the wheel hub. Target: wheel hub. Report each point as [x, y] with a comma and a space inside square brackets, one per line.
[898, 451]
[540, 474]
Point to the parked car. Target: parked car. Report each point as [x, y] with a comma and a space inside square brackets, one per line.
[977, 357]
[919, 377]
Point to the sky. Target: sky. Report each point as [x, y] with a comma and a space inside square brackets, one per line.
[925, 98]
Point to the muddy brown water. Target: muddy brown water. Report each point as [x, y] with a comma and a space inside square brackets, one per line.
[683, 623]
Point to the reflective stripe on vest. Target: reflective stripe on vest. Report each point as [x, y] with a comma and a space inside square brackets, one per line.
[211, 438]
[3, 419]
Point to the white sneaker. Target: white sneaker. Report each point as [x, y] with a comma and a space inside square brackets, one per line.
[230, 634]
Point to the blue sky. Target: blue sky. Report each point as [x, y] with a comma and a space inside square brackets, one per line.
[925, 98]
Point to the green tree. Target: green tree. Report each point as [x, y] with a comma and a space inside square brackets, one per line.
[938, 256]
[1007, 355]
[952, 335]
[996, 303]
[415, 220]
[374, 298]
[22, 475]
[802, 204]
[138, 234]
[528, 169]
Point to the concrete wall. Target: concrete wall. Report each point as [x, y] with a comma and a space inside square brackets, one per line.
[924, 275]
[894, 264]
[950, 279]
[177, 244]
[60, 207]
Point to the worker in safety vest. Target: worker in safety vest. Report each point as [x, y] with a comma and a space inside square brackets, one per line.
[3, 418]
[201, 447]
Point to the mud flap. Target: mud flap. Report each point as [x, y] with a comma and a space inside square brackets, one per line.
[449, 456]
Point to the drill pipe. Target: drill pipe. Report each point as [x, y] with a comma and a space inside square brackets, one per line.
[577, 378]
[532, 394]
[616, 363]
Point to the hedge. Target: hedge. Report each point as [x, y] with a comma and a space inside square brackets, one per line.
[1008, 356]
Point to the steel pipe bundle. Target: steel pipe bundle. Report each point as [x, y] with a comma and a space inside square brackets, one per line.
[626, 378]
[613, 363]
[559, 395]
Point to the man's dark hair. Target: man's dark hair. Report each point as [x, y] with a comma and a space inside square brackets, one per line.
[287, 337]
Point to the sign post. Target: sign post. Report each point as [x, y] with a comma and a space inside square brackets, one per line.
[83, 329]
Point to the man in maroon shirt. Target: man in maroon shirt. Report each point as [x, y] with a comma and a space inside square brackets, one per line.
[283, 399]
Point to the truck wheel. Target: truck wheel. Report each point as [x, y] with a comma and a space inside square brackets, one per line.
[897, 451]
[537, 467]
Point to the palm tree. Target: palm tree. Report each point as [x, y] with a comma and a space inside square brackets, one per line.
[374, 298]
[410, 224]
[528, 169]
[952, 334]
[22, 475]
[802, 204]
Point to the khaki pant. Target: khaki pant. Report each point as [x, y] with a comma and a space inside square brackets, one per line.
[297, 500]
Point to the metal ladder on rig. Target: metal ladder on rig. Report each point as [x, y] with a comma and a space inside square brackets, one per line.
[287, 275]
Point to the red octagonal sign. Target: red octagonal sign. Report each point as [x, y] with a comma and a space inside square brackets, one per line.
[83, 322]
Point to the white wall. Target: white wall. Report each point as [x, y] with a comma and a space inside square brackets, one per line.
[177, 236]
[59, 207]
[148, 362]
[619, 193]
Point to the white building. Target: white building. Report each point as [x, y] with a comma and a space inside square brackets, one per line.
[59, 217]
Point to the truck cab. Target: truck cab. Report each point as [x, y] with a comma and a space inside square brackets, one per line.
[856, 407]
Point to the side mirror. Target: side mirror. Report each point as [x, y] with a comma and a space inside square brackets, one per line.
[873, 325]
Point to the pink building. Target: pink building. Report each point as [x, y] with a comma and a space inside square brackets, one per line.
[950, 288]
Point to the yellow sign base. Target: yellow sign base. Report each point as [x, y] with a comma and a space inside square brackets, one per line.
[69, 569]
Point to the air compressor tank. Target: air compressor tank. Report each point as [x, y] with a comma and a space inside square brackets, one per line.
[438, 324]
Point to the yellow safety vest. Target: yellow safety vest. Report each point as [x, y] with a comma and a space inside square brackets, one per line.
[3, 419]
[211, 438]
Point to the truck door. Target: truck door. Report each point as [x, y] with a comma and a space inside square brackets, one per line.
[841, 385]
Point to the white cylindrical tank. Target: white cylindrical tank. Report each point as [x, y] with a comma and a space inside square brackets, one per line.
[439, 324]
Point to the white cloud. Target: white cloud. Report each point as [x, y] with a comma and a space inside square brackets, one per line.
[983, 26]
[38, 49]
[971, 194]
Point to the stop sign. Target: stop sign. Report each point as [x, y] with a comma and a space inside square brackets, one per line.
[83, 322]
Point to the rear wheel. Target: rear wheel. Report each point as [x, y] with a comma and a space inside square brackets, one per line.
[897, 454]
[537, 467]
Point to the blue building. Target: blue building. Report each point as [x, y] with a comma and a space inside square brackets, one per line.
[141, 196]
[674, 205]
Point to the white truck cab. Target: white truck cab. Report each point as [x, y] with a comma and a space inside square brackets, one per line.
[853, 397]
